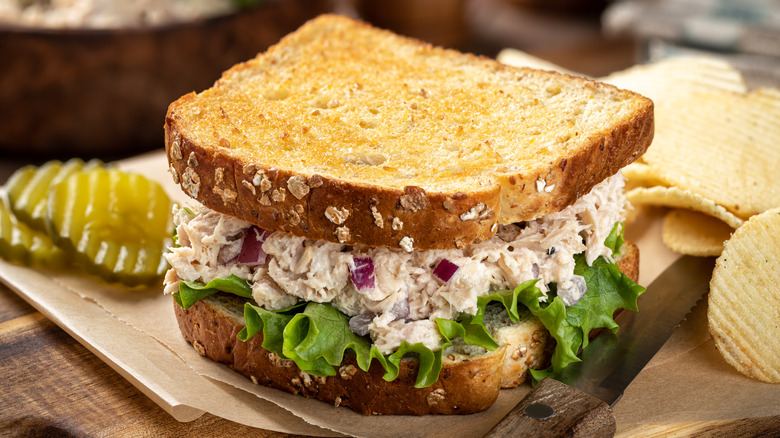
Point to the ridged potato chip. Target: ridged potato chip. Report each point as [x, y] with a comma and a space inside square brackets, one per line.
[679, 198]
[519, 58]
[722, 146]
[693, 233]
[744, 300]
[642, 175]
[672, 79]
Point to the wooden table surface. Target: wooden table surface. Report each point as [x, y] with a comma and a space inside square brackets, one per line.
[53, 386]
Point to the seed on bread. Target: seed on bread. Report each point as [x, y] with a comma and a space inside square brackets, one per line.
[174, 174]
[261, 180]
[190, 182]
[192, 160]
[227, 194]
[414, 199]
[297, 186]
[435, 397]
[176, 150]
[378, 221]
[342, 234]
[219, 176]
[336, 215]
[279, 195]
[519, 353]
[314, 181]
[347, 371]
[199, 348]
[307, 380]
[294, 218]
[249, 169]
[449, 204]
[478, 211]
[276, 360]
[249, 186]
[461, 243]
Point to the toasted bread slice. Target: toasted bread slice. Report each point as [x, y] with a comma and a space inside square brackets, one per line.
[347, 133]
[468, 382]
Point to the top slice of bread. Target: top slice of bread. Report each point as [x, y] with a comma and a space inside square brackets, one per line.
[352, 134]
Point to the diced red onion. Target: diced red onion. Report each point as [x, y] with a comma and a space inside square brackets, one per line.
[572, 290]
[252, 253]
[445, 270]
[359, 323]
[401, 309]
[362, 274]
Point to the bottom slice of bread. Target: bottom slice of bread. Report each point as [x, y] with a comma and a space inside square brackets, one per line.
[469, 381]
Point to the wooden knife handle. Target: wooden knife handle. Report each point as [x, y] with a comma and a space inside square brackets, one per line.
[553, 409]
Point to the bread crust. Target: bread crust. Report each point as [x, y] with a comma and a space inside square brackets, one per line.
[467, 384]
[377, 216]
[412, 213]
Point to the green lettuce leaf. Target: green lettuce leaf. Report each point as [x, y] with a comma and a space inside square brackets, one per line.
[608, 290]
[190, 292]
[615, 239]
[472, 327]
[317, 338]
[429, 363]
[270, 323]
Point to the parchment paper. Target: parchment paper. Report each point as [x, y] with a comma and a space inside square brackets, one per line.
[135, 332]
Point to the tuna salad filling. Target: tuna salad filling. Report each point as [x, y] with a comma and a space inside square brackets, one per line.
[393, 295]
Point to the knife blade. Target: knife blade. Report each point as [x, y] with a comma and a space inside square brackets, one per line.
[577, 400]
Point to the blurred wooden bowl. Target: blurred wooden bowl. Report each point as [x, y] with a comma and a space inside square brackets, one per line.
[104, 93]
[439, 22]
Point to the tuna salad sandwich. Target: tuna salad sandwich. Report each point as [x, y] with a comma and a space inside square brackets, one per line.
[395, 227]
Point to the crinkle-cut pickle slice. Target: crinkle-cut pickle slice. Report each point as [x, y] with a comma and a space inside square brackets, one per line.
[22, 244]
[28, 188]
[115, 224]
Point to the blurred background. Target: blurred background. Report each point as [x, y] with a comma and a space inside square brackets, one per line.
[93, 78]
